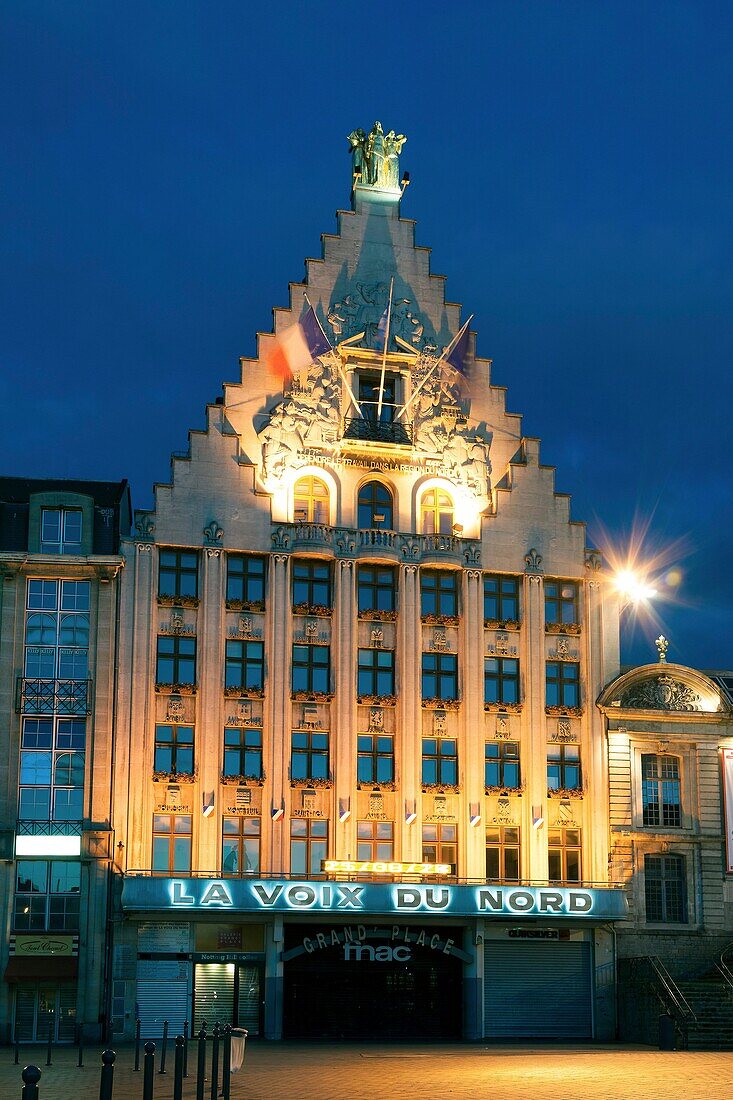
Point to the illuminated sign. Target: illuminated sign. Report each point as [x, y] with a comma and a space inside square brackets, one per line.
[47, 845]
[379, 867]
[260, 895]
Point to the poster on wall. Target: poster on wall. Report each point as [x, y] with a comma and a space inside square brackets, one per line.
[727, 763]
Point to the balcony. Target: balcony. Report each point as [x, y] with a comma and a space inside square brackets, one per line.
[361, 429]
[347, 542]
[53, 697]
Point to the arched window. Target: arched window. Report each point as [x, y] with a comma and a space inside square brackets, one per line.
[375, 507]
[436, 513]
[310, 501]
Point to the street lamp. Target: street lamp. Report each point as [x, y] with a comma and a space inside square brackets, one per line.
[632, 588]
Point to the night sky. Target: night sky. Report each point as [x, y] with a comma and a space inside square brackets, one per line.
[166, 168]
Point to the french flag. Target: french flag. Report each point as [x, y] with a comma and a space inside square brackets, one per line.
[297, 347]
[457, 353]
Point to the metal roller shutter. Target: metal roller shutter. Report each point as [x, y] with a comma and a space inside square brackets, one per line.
[162, 994]
[214, 994]
[537, 990]
[249, 999]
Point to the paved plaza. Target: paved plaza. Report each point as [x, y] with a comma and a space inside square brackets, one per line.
[361, 1072]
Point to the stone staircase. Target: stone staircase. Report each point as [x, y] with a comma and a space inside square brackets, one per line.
[711, 999]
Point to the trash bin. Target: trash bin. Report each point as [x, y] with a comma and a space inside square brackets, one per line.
[239, 1038]
[667, 1035]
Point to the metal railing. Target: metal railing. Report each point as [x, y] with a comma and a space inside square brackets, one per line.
[409, 879]
[48, 828]
[650, 972]
[36, 696]
[369, 429]
[348, 541]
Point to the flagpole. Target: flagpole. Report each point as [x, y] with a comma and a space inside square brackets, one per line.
[384, 356]
[435, 366]
[338, 359]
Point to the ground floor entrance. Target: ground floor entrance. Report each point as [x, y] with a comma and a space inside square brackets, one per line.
[372, 982]
[40, 1008]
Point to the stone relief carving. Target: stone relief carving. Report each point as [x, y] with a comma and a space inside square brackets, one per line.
[662, 693]
[533, 561]
[307, 416]
[362, 309]
[213, 534]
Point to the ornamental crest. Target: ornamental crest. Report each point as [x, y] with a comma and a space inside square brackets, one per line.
[663, 693]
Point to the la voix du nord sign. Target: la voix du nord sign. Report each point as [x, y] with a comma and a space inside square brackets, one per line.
[263, 895]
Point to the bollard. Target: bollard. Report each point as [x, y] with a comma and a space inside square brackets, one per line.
[185, 1048]
[201, 1065]
[149, 1071]
[50, 1041]
[215, 1061]
[165, 1046]
[226, 1068]
[17, 1045]
[137, 1046]
[80, 1059]
[178, 1068]
[31, 1075]
[106, 1081]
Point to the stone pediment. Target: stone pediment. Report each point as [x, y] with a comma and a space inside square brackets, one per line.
[663, 687]
[663, 693]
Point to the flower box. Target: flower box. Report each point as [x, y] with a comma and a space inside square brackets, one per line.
[377, 700]
[175, 777]
[377, 788]
[440, 620]
[562, 628]
[176, 689]
[503, 791]
[243, 780]
[245, 605]
[311, 696]
[503, 708]
[441, 704]
[308, 784]
[178, 601]
[563, 712]
[565, 792]
[441, 788]
[378, 616]
[234, 692]
[318, 610]
[497, 624]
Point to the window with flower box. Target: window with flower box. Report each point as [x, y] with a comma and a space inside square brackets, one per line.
[311, 585]
[563, 767]
[439, 593]
[176, 660]
[377, 589]
[246, 580]
[439, 676]
[174, 750]
[242, 752]
[501, 764]
[439, 761]
[501, 598]
[309, 755]
[561, 602]
[375, 758]
[562, 684]
[178, 574]
[501, 680]
[376, 672]
[244, 665]
[311, 669]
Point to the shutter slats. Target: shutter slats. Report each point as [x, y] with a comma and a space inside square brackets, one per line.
[162, 994]
[537, 990]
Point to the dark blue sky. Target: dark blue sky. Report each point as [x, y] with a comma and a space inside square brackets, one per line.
[167, 167]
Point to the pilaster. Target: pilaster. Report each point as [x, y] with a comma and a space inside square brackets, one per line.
[408, 739]
[343, 734]
[535, 740]
[279, 632]
[472, 769]
[209, 707]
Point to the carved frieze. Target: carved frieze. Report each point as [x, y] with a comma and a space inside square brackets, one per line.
[662, 693]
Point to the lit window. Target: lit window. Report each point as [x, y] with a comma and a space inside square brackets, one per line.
[310, 501]
[171, 844]
[436, 513]
[502, 853]
[564, 855]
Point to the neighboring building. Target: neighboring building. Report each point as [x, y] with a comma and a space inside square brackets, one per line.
[59, 566]
[359, 625]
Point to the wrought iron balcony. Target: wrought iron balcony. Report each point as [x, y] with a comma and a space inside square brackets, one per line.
[53, 696]
[366, 429]
[27, 827]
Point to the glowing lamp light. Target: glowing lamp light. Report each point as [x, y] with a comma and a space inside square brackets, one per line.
[633, 587]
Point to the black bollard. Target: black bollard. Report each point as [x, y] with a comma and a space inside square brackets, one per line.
[185, 1048]
[201, 1065]
[106, 1081]
[80, 1059]
[50, 1041]
[165, 1046]
[226, 1067]
[149, 1071]
[137, 1046]
[215, 1061]
[31, 1075]
[17, 1045]
[178, 1068]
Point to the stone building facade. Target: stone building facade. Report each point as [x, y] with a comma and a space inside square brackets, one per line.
[59, 575]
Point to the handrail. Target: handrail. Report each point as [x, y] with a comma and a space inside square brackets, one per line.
[667, 991]
[429, 880]
[726, 972]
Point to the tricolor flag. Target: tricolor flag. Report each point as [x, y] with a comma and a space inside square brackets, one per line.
[382, 331]
[297, 347]
[456, 355]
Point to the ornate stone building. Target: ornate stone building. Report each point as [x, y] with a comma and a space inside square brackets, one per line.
[361, 641]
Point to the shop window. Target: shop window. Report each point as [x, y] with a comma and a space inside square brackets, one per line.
[244, 665]
[665, 891]
[311, 669]
[660, 787]
[439, 676]
[501, 764]
[436, 513]
[564, 855]
[375, 841]
[311, 585]
[376, 672]
[502, 853]
[46, 896]
[501, 680]
[171, 844]
[501, 598]
[175, 660]
[375, 762]
[308, 846]
[440, 761]
[174, 750]
[377, 588]
[61, 530]
[561, 602]
[246, 579]
[562, 684]
[240, 845]
[52, 769]
[375, 507]
[440, 845]
[563, 768]
[309, 755]
[439, 592]
[42, 1007]
[311, 501]
[243, 752]
[178, 573]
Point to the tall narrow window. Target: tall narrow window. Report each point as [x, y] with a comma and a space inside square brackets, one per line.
[561, 602]
[436, 513]
[178, 574]
[502, 853]
[375, 841]
[439, 761]
[439, 592]
[562, 684]
[244, 665]
[501, 764]
[375, 507]
[311, 501]
[246, 580]
[376, 672]
[309, 756]
[440, 845]
[308, 846]
[564, 855]
[375, 761]
[661, 790]
[242, 752]
[56, 646]
[311, 669]
[61, 530]
[439, 676]
[176, 660]
[501, 598]
[311, 585]
[174, 750]
[501, 680]
[563, 767]
[665, 891]
[240, 845]
[377, 589]
[171, 844]
[52, 768]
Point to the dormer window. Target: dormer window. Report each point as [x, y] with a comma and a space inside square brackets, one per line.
[61, 530]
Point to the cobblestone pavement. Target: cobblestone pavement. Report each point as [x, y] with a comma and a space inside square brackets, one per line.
[279, 1071]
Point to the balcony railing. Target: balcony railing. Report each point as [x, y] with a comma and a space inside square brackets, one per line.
[48, 828]
[397, 433]
[347, 542]
[53, 696]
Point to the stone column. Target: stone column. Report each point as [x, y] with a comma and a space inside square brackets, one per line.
[343, 733]
[408, 737]
[209, 730]
[534, 727]
[594, 755]
[139, 797]
[278, 715]
[472, 865]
